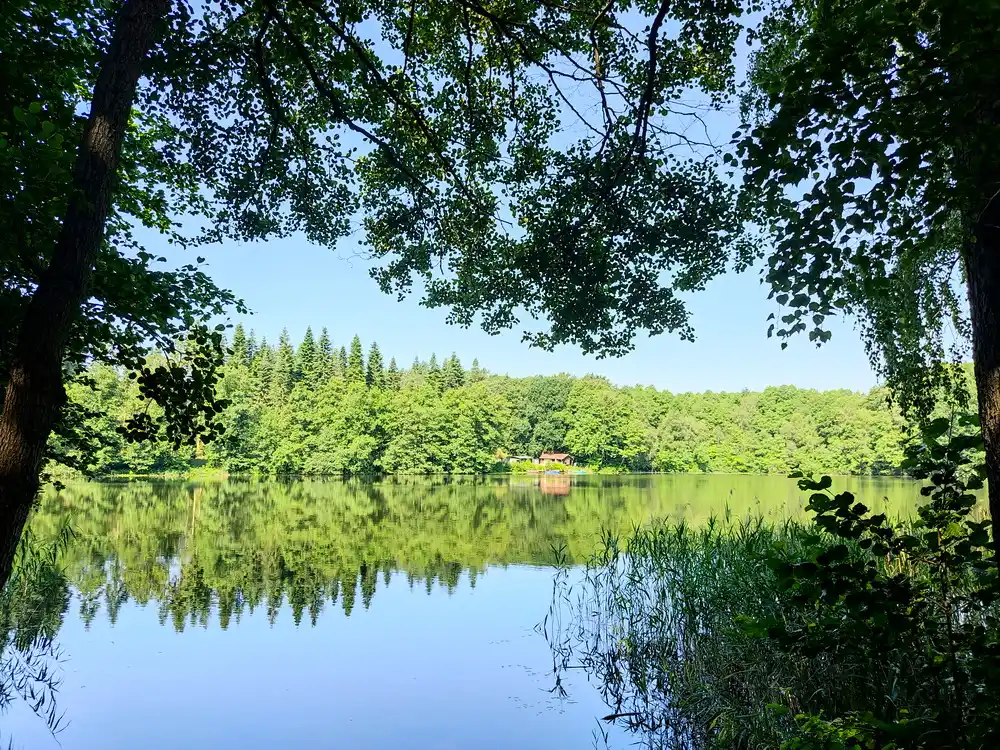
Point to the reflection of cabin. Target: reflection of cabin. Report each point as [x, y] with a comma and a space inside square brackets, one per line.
[555, 485]
[518, 459]
[555, 458]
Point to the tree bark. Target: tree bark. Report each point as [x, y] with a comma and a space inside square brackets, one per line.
[35, 393]
[982, 267]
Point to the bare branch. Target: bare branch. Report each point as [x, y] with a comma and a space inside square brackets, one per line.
[646, 102]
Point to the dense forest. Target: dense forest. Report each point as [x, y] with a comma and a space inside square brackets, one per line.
[321, 409]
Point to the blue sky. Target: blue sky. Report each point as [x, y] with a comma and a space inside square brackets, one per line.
[291, 283]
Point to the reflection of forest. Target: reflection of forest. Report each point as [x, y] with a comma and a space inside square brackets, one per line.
[235, 546]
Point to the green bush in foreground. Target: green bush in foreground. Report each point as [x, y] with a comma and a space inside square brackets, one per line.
[851, 632]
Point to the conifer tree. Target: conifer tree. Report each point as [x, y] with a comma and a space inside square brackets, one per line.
[434, 377]
[284, 368]
[238, 350]
[392, 376]
[261, 368]
[356, 362]
[251, 347]
[340, 366]
[306, 359]
[476, 373]
[452, 374]
[324, 355]
[375, 373]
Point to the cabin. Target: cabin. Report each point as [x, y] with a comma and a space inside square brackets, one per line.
[555, 458]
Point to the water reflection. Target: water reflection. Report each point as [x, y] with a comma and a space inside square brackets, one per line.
[156, 558]
[32, 607]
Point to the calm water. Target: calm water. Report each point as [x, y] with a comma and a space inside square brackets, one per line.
[326, 614]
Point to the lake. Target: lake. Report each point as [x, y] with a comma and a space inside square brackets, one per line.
[340, 614]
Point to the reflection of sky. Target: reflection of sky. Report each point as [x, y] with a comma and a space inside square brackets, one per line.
[413, 671]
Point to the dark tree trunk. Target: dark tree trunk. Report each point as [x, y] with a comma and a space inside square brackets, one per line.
[982, 266]
[35, 392]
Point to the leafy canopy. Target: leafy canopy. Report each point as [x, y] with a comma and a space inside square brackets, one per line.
[871, 144]
[517, 160]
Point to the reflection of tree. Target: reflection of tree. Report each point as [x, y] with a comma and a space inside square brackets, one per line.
[32, 606]
[200, 550]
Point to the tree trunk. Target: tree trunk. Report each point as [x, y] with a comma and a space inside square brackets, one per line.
[982, 267]
[35, 392]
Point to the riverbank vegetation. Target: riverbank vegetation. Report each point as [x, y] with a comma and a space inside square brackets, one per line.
[849, 632]
[321, 409]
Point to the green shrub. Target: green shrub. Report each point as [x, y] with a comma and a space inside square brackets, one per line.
[523, 467]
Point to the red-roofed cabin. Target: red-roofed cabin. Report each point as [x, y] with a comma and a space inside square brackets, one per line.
[555, 458]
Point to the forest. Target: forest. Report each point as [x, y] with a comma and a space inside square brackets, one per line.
[320, 409]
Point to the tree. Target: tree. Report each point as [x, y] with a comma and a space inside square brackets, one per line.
[544, 400]
[375, 372]
[452, 374]
[251, 347]
[435, 379]
[65, 215]
[239, 351]
[315, 123]
[355, 371]
[261, 368]
[283, 369]
[307, 359]
[601, 425]
[871, 145]
[340, 363]
[324, 355]
[392, 377]
[476, 373]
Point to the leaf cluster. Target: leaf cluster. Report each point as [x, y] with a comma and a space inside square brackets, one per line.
[919, 603]
[868, 148]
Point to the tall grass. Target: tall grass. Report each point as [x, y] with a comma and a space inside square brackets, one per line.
[668, 624]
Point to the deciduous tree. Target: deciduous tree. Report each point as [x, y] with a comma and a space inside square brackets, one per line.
[872, 146]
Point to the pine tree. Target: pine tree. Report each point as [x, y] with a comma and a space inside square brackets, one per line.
[434, 376]
[340, 363]
[306, 360]
[324, 355]
[261, 368]
[375, 374]
[284, 368]
[356, 362]
[452, 374]
[392, 376]
[238, 350]
[251, 347]
[476, 373]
